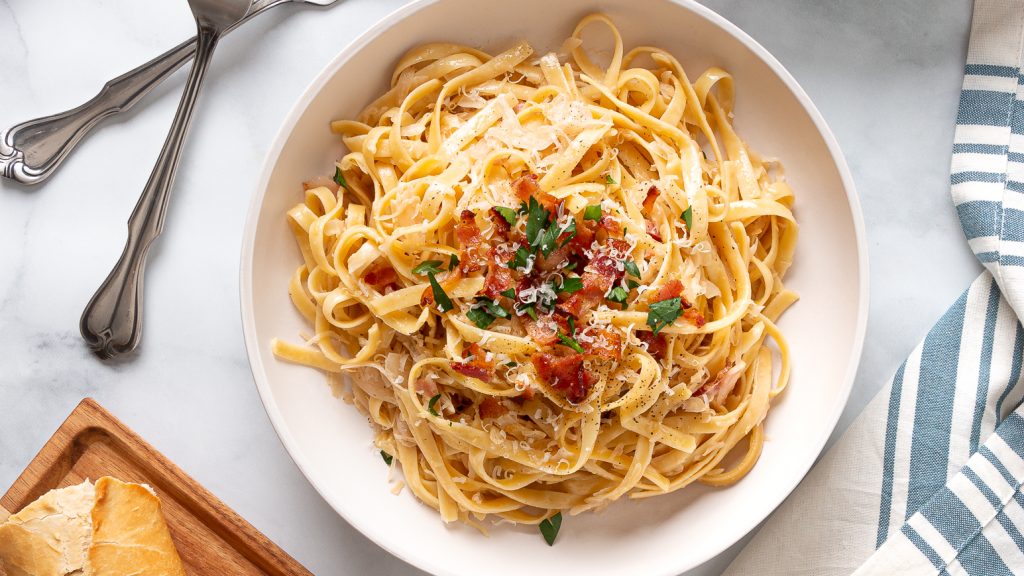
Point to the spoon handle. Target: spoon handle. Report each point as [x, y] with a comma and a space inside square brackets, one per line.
[112, 321]
[31, 151]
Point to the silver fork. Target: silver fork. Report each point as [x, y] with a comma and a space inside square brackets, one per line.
[112, 321]
[32, 150]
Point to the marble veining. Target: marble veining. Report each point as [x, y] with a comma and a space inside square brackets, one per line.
[885, 79]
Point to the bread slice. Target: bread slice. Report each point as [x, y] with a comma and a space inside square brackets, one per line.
[129, 535]
[110, 529]
[50, 536]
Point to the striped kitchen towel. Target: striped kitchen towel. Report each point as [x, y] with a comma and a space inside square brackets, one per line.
[928, 479]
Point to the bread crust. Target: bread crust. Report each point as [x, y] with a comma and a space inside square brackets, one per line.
[129, 535]
[110, 529]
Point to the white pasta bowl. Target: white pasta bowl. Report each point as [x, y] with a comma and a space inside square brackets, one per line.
[332, 443]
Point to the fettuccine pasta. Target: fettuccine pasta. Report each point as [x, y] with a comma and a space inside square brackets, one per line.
[549, 283]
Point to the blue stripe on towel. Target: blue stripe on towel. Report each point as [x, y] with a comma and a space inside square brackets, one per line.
[929, 449]
[985, 368]
[984, 107]
[892, 426]
[979, 218]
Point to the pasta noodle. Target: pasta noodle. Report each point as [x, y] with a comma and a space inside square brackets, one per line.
[549, 283]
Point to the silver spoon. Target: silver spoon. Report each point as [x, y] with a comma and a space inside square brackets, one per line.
[112, 320]
[32, 150]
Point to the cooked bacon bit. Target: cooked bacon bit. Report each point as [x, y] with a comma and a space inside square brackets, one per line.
[712, 384]
[501, 226]
[427, 387]
[380, 275]
[656, 344]
[611, 225]
[694, 317]
[477, 367]
[585, 231]
[499, 278]
[598, 277]
[565, 373]
[473, 254]
[652, 230]
[652, 195]
[427, 299]
[544, 330]
[552, 261]
[526, 186]
[491, 408]
[671, 289]
[602, 343]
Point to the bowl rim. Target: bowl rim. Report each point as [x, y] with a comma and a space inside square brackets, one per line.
[325, 74]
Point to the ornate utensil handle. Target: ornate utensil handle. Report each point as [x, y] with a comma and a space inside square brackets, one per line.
[112, 321]
[32, 150]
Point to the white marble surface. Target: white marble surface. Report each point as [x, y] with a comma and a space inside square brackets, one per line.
[886, 77]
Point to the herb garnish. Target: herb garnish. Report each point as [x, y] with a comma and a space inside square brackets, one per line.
[387, 457]
[427, 267]
[570, 285]
[570, 342]
[536, 218]
[688, 218]
[631, 268]
[508, 214]
[339, 178]
[521, 259]
[549, 528]
[592, 213]
[510, 293]
[486, 312]
[444, 303]
[453, 262]
[663, 313]
[609, 180]
[433, 402]
[529, 310]
[618, 294]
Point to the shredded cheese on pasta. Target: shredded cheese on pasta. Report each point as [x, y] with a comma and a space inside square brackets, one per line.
[549, 284]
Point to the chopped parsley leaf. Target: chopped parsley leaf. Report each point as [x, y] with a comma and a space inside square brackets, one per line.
[633, 284]
[529, 311]
[432, 405]
[453, 262]
[572, 326]
[609, 180]
[688, 218]
[631, 268]
[387, 457]
[536, 218]
[427, 267]
[549, 239]
[493, 308]
[510, 293]
[508, 214]
[592, 213]
[444, 303]
[339, 178]
[521, 259]
[549, 528]
[570, 342]
[663, 313]
[570, 285]
[511, 364]
[618, 294]
[480, 317]
[523, 207]
[570, 230]
[570, 267]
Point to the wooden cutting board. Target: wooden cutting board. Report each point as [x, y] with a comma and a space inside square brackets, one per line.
[210, 537]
